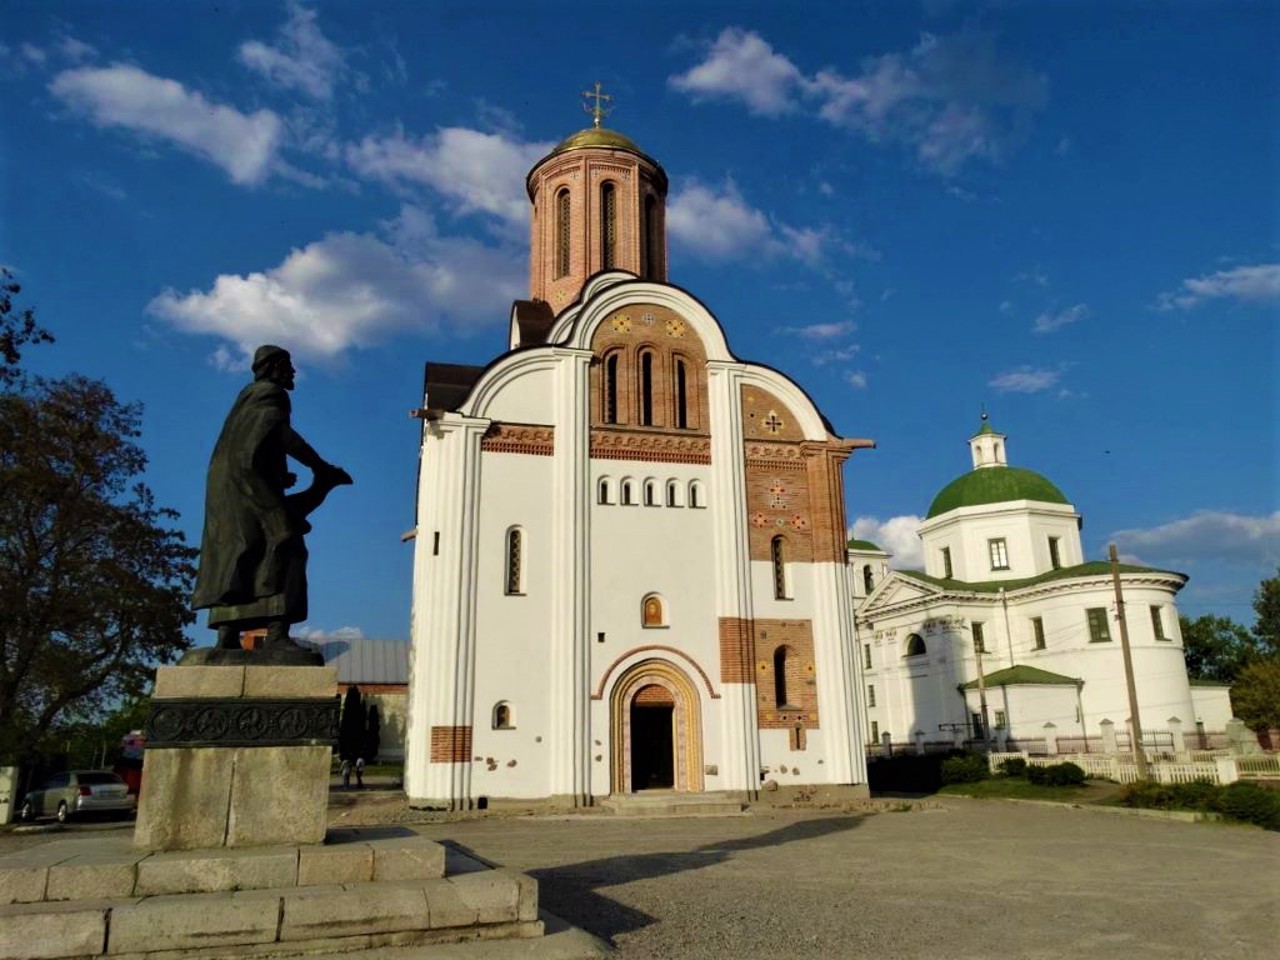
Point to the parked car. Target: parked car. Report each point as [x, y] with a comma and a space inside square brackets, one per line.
[78, 792]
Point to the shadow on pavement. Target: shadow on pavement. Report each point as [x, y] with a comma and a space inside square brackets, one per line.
[570, 891]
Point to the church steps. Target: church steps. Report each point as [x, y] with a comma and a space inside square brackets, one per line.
[670, 803]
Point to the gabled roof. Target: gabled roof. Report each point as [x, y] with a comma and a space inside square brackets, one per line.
[1093, 568]
[449, 384]
[1020, 675]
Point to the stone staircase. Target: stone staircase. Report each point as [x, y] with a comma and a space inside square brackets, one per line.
[672, 803]
[383, 889]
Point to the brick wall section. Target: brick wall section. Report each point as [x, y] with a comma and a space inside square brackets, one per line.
[825, 467]
[737, 651]
[450, 744]
[519, 438]
[802, 689]
[757, 405]
[654, 696]
[583, 171]
[628, 333]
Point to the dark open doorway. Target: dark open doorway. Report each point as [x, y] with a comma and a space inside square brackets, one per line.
[652, 747]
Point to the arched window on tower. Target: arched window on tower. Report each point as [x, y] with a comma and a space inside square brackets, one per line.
[651, 237]
[682, 401]
[915, 646]
[563, 210]
[646, 389]
[781, 660]
[610, 398]
[608, 225]
[868, 580]
[778, 555]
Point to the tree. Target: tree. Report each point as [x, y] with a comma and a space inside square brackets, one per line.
[1266, 606]
[94, 583]
[372, 734]
[1216, 648]
[351, 726]
[18, 328]
[1255, 696]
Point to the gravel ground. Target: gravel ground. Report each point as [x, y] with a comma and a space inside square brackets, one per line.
[957, 879]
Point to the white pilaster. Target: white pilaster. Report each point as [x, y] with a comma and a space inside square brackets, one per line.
[839, 677]
[442, 662]
[570, 726]
[728, 503]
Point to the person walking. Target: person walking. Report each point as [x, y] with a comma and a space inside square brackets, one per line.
[359, 773]
[346, 774]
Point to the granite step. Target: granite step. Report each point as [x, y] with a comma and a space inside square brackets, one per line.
[671, 803]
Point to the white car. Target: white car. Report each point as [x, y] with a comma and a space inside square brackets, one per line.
[78, 792]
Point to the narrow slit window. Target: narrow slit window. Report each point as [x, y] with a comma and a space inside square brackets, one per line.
[779, 558]
[979, 637]
[1157, 624]
[611, 389]
[608, 225]
[868, 579]
[682, 402]
[650, 493]
[780, 658]
[605, 491]
[673, 493]
[946, 563]
[626, 498]
[1055, 555]
[695, 495]
[1037, 631]
[515, 561]
[646, 389]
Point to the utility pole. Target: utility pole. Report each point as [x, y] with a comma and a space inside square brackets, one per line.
[1139, 755]
[982, 695]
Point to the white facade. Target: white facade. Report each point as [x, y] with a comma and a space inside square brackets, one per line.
[530, 689]
[1047, 619]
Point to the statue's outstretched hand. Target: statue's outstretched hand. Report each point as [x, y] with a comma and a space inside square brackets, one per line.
[336, 477]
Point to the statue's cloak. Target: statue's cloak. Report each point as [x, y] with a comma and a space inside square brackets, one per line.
[252, 556]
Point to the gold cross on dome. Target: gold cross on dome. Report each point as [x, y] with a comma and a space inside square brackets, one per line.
[597, 111]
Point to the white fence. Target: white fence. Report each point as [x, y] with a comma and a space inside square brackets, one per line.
[1218, 768]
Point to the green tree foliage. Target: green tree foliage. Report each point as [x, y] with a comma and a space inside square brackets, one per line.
[94, 583]
[1266, 607]
[1255, 696]
[1216, 648]
[351, 726]
[372, 733]
[18, 328]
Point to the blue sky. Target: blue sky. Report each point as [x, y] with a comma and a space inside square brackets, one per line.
[1066, 211]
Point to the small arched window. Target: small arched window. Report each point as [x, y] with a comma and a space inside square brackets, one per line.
[868, 580]
[782, 659]
[682, 401]
[503, 719]
[646, 389]
[608, 224]
[515, 561]
[609, 402]
[653, 612]
[604, 492]
[915, 645]
[627, 496]
[650, 493]
[778, 556]
[563, 237]
[673, 493]
[696, 498]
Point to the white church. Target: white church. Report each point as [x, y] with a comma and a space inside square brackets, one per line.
[1007, 596]
[629, 553]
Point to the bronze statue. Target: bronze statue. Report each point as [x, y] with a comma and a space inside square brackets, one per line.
[253, 558]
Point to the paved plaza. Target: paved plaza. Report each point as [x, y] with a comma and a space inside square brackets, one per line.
[969, 879]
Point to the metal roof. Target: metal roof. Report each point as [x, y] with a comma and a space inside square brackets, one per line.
[362, 660]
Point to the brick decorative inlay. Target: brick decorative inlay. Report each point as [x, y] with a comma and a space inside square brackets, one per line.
[654, 696]
[450, 744]
[519, 438]
[604, 677]
[779, 504]
[801, 680]
[615, 444]
[765, 417]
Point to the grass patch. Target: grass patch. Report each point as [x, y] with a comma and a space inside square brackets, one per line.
[1015, 788]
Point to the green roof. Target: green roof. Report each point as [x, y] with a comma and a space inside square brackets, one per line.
[1093, 568]
[1207, 683]
[985, 428]
[863, 545]
[1020, 675]
[994, 485]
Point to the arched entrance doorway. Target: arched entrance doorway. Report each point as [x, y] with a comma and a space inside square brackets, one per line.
[656, 723]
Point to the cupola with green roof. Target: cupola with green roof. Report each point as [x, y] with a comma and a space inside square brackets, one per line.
[599, 203]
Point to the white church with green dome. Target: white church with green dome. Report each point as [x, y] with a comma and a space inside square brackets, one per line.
[1006, 594]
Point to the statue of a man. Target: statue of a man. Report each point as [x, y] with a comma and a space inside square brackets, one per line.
[253, 560]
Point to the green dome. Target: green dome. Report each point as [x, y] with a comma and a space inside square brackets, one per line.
[994, 485]
[856, 544]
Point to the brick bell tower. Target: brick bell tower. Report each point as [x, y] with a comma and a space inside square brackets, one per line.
[599, 203]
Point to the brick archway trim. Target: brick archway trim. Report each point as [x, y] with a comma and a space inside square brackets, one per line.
[604, 678]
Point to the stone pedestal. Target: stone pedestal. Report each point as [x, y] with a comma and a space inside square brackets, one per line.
[237, 756]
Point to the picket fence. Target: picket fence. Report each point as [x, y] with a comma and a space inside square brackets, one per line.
[1220, 767]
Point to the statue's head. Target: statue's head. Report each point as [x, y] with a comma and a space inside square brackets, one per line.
[273, 363]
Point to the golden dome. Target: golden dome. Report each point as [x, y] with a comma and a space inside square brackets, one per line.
[596, 137]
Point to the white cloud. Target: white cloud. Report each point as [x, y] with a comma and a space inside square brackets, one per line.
[302, 60]
[823, 331]
[741, 65]
[897, 536]
[1257, 284]
[950, 99]
[76, 50]
[477, 171]
[856, 379]
[719, 224]
[350, 290]
[837, 355]
[33, 54]
[1049, 321]
[305, 631]
[1207, 535]
[1025, 380]
[243, 145]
